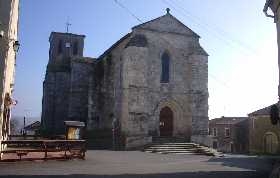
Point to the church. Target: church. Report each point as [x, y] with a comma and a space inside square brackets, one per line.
[153, 82]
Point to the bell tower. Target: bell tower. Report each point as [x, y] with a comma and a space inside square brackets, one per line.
[64, 47]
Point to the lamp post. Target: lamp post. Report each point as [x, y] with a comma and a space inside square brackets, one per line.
[15, 42]
[7, 43]
[1, 31]
[16, 45]
[26, 115]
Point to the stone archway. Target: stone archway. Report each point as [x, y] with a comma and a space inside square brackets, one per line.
[166, 122]
[181, 120]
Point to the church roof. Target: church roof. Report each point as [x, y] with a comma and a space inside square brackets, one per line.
[167, 23]
[113, 46]
[227, 120]
[33, 126]
[88, 60]
[64, 34]
[263, 112]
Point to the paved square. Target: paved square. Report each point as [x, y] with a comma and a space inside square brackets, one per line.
[141, 164]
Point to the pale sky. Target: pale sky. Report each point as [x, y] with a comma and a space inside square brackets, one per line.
[241, 42]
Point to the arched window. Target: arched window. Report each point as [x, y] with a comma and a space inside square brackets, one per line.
[165, 61]
[59, 49]
[75, 48]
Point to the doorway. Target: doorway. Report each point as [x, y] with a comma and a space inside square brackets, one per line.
[166, 122]
[270, 143]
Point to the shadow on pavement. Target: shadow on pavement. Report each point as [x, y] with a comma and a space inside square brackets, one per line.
[258, 164]
[214, 174]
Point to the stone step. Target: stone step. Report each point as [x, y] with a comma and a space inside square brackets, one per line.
[188, 150]
[179, 144]
[176, 143]
[164, 152]
[180, 153]
[177, 147]
[169, 139]
[171, 148]
[191, 151]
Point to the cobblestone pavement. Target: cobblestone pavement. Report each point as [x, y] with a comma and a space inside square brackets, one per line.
[140, 164]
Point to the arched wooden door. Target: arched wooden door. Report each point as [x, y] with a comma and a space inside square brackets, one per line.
[271, 143]
[166, 122]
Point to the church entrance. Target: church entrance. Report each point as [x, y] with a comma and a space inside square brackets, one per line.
[166, 122]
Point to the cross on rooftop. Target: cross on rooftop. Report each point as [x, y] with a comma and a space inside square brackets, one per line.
[67, 26]
[167, 10]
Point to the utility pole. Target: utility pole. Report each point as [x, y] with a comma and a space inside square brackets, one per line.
[24, 125]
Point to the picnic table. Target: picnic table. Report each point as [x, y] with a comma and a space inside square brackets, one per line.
[74, 148]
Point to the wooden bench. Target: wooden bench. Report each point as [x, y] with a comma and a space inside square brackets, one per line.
[24, 137]
[75, 148]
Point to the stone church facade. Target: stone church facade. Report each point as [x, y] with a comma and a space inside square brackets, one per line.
[152, 82]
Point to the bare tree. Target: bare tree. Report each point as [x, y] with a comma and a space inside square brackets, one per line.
[15, 127]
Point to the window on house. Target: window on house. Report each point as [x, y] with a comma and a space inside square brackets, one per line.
[165, 61]
[67, 44]
[215, 144]
[75, 48]
[227, 132]
[215, 132]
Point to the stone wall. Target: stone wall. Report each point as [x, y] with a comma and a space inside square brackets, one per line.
[199, 93]
[105, 99]
[143, 95]
[9, 12]
[202, 140]
[65, 95]
[55, 101]
[259, 126]
[81, 69]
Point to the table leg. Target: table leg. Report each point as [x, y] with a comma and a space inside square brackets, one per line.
[46, 150]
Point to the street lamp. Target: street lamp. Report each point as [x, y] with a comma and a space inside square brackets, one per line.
[16, 46]
[1, 33]
[16, 43]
